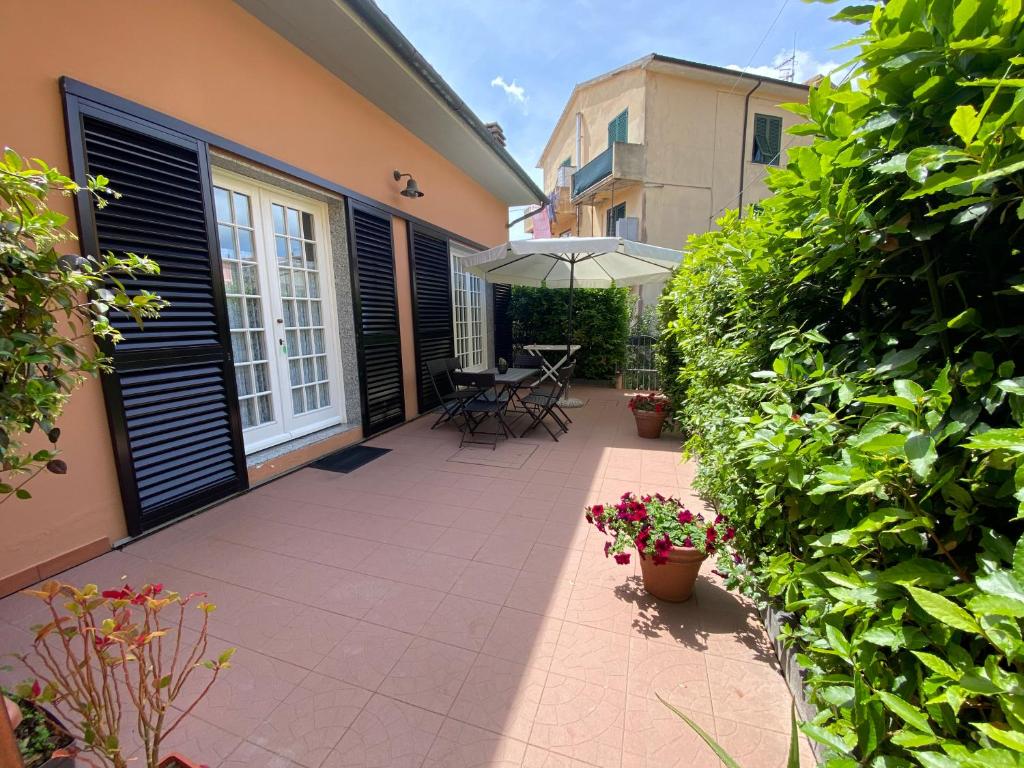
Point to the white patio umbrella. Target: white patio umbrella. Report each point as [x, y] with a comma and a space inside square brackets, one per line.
[571, 262]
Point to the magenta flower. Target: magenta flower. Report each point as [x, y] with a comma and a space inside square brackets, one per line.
[730, 533]
[686, 516]
[622, 558]
[688, 542]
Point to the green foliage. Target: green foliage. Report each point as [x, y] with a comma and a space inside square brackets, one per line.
[54, 306]
[848, 361]
[37, 741]
[600, 327]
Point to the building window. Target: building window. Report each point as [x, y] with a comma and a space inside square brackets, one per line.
[618, 129]
[612, 217]
[767, 139]
[284, 336]
[468, 315]
[566, 163]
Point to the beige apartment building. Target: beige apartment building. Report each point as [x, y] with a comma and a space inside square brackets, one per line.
[660, 148]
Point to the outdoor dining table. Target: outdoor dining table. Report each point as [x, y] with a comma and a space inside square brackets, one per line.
[551, 369]
[509, 381]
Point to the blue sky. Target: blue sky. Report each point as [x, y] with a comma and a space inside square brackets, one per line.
[517, 62]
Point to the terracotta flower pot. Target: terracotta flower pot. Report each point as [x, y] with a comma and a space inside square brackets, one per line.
[174, 760]
[672, 581]
[649, 423]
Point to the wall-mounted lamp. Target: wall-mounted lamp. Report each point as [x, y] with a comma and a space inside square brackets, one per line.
[412, 189]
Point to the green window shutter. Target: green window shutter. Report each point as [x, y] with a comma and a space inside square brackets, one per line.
[767, 139]
[567, 161]
[618, 129]
[774, 139]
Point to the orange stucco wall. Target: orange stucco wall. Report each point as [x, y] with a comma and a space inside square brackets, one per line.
[211, 64]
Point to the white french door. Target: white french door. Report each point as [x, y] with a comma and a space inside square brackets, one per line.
[469, 316]
[278, 283]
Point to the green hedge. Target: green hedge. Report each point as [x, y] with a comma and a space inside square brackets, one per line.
[600, 327]
[849, 362]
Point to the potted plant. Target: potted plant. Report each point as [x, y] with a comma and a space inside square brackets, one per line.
[671, 540]
[41, 738]
[650, 411]
[119, 653]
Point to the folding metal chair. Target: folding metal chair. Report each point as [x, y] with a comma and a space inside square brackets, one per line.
[542, 403]
[451, 397]
[476, 410]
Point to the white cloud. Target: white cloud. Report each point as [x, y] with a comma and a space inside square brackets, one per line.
[515, 91]
[804, 67]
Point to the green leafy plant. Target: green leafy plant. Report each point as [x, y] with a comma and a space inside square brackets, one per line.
[106, 657]
[792, 756]
[55, 306]
[600, 324]
[847, 363]
[36, 737]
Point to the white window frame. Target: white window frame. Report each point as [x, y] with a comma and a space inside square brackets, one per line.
[285, 426]
[461, 310]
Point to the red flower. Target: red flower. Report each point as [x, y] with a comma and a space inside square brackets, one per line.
[711, 535]
[719, 519]
[663, 544]
[659, 558]
[688, 542]
[686, 516]
[730, 533]
[125, 593]
[597, 510]
[622, 558]
[36, 689]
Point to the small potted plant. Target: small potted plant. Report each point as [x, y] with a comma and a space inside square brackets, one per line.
[41, 739]
[120, 653]
[671, 540]
[650, 411]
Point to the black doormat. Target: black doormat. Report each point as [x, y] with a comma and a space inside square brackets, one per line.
[348, 459]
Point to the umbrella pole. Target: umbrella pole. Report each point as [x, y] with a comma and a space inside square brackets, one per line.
[567, 401]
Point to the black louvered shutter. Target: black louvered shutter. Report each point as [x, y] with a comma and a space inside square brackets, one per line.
[376, 306]
[171, 400]
[502, 322]
[432, 304]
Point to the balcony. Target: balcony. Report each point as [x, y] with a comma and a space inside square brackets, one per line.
[561, 200]
[620, 162]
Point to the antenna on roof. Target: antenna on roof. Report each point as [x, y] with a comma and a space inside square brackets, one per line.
[787, 67]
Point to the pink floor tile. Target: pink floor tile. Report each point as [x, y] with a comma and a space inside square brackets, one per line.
[311, 720]
[429, 675]
[501, 696]
[523, 637]
[365, 655]
[461, 621]
[387, 734]
[459, 745]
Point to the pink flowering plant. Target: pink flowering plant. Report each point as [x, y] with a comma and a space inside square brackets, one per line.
[653, 402]
[655, 524]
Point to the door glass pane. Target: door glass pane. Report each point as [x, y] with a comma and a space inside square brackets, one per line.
[467, 313]
[236, 236]
[298, 263]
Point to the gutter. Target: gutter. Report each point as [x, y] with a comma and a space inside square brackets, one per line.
[381, 25]
[529, 215]
[743, 148]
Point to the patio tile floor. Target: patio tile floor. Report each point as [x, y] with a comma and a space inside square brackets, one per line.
[423, 611]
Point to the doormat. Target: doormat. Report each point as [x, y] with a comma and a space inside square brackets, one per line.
[510, 454]
[349, 459]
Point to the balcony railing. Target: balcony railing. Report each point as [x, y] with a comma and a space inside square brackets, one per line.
[564, 178]
[591, 173]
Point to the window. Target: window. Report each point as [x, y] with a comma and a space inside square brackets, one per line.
[277, 283]
[618, 129]
[567, 162]
[612, 216]
[767, 139]
[468, 315]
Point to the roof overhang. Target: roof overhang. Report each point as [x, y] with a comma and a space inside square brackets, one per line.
[358, 43]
